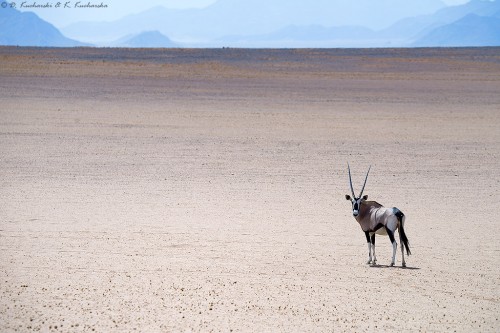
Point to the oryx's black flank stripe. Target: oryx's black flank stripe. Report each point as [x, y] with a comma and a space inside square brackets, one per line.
[378, 226]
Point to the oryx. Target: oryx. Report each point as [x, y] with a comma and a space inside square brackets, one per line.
[377, 219]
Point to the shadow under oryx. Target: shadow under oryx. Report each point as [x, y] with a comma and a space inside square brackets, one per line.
[389, 266]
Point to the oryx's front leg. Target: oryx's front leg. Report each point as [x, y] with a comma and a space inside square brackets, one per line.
[370, 246]
[374, 261]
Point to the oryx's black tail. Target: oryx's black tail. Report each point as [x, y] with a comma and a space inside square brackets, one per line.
[402, 235]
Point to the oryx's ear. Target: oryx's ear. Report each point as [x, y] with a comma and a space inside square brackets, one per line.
[348, 197]
[365, 197]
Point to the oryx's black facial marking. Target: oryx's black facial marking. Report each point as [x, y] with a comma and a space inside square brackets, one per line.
[355, 208]
[356, 205]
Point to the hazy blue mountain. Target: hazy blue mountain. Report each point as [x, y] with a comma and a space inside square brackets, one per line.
[413, 28]
[147, 39]
[472, 30]
[256, 17]
[27, 29]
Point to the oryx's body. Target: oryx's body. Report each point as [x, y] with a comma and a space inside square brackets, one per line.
[377, 219]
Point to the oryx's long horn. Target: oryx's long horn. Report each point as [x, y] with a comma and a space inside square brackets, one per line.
[350, 180]
[366, 178]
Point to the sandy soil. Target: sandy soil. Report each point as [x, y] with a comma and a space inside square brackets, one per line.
[203, 190]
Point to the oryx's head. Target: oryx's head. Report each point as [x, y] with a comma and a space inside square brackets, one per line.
[356, 201]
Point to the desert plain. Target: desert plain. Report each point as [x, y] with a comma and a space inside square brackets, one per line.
[179, 190]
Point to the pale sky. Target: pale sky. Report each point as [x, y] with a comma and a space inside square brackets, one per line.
[116, 9]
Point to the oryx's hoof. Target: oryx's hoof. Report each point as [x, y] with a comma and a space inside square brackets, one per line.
[404, 264]
[392, 264]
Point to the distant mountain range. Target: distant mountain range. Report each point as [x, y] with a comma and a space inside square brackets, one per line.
[471, 30]
[475, 23]
[419, 31]
[208, 26]
[27, 29]
[278, 23]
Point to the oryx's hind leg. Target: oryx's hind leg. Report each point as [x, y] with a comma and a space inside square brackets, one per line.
[390, 233]
[403, 262]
